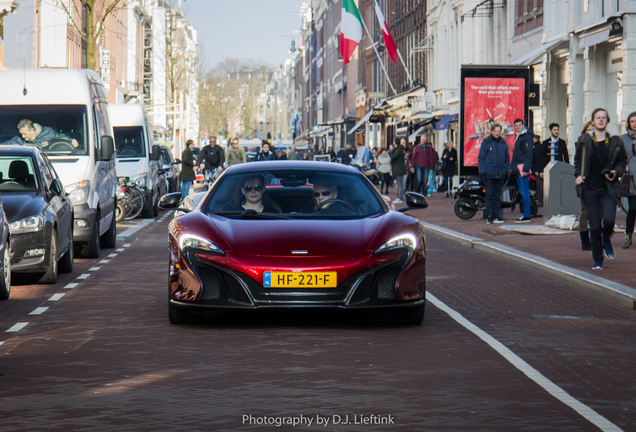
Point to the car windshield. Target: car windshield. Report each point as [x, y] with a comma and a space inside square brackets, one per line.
[129, 141]
[55, 127]
[165, 156]
[17, 174]
[303, 193]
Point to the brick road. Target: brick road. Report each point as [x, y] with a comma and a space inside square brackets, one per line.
[105, 358]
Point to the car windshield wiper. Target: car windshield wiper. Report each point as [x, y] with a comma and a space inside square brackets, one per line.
[253, 214]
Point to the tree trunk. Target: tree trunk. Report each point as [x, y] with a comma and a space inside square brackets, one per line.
[91, 40]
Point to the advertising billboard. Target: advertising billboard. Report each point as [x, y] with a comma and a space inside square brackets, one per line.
[490, 95]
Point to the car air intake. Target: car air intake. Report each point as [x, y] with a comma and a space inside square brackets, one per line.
[385, 280]
[214, 287]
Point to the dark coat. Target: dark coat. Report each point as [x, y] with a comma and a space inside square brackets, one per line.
[187, 165]
[523, 153]
[424, 157]
[541, 158]
[346, 155]
[213, 157]
[450, 159]
[44, 136]
[494, 158]
[265, 156]
[398, 166]
[616, 161]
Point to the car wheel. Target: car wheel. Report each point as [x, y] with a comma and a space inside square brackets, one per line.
[120, 211]
[5, 282]
[411, 316]
[92, 248]
[109, 239]
[66, 262]
[181, 316]
[50, 277]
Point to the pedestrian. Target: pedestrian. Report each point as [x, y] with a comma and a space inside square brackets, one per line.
[409, 183]
[211, 160]
[265, 154]
[235, 154]
[282, 154]
[292, 154]
[494, 166]
[187, 175]
[398, 167]
[384, 170]
[521, 166]
[541, 157]
[630, 149]
[450, 160]
[584, 229]
[599, 162]
[422, 163]
[332, 154]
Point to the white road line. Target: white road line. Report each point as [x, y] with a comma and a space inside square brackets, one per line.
[17, 327]
[39, 311]
[112, 256]
[71, 285]
[120, 250]
[1, 342]
[83, 276]
[586, 412]
[126, 245]
[104, 261]
[94, 268]
[56, 297]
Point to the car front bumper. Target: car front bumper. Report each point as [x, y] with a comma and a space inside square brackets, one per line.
[82, 234]
[21, 243]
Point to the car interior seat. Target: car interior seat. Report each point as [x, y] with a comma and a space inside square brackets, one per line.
[19, 172]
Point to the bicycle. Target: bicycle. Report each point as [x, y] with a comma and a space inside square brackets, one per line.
[130, 200]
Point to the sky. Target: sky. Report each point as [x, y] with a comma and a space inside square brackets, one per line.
[245, 29]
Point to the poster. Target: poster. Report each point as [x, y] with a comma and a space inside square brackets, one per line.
[488, 101]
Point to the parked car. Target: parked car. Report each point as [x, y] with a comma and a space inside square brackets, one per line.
[171, 167]
[138, 158]
[71, 103]
[39, 213]
[313, 235]
[5, 253]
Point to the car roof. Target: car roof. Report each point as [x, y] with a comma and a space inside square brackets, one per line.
[291, 165]
[19, 150]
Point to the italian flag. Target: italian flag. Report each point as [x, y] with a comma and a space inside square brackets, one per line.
[391, 48]
[350, 29]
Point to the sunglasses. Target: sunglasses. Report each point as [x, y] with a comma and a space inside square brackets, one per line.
[257, 188]
[323, 193]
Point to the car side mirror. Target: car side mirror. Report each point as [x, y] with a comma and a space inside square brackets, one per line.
[156, 152]
[56, 187]
[170, 201]
[107, 148]
[414, 200]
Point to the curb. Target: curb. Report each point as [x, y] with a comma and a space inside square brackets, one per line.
[131, 232]
[617, 291]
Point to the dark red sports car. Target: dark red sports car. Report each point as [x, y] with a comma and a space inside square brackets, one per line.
[296, 234]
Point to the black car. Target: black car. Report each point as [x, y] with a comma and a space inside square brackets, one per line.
[169, 170]
[5, 254]
[39, 213]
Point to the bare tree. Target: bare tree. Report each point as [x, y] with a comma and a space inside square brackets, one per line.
[88, 18]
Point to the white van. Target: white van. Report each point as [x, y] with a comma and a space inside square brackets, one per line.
[137, 155]
[68, 115]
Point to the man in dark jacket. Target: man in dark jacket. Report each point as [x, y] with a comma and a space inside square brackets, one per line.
[598, 164]
[213, 158]
[494, 165]
[542, 158]
[398, 167]
[521, 166]
[265, 154]
[187, 169]
[346, 154]
[33, 133]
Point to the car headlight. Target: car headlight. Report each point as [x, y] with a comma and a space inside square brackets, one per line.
[403, 241]
[78, 192]
[141, 180]
[189, 241]
[26, 225]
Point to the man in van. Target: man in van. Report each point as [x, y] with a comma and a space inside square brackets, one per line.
[33, 133]
[211, 161]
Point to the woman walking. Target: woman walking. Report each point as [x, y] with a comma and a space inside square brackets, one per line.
[630, 148]
[450, 159]
[187, 169]
[384, 170]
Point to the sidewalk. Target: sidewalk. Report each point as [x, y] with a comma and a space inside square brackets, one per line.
[561, 254]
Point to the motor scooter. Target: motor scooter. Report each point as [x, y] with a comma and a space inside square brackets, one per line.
[470, 197]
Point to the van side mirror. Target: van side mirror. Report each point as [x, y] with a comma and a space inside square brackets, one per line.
[56, 187]
[156, 152]
[107, 149]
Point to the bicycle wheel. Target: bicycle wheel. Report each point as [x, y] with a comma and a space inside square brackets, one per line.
[135, 203]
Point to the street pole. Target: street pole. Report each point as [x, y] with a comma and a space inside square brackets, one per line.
[404, 66]
[378, 55]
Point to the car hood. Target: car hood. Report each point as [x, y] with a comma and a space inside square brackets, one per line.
[281, 237]
[20, 205]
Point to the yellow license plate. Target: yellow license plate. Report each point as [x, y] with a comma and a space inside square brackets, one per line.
[300, 280]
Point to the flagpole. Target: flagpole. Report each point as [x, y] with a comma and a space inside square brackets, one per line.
[378, 55]
[403, 65]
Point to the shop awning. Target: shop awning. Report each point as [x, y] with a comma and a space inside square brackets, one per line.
[444, 122]
[595, 38]
[416, 133]
[533, 56]
[361, 122]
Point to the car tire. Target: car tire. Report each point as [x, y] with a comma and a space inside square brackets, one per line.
[50, 277]
[178, 315]
[147, 212]
[92, 248]
[5, 281]
[65, 265]
[109, 239]
[412, 316]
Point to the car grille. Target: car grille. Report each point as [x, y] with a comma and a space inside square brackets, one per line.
[384, 286]
[214, 287]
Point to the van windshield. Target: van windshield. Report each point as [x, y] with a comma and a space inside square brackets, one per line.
[54, 129]
[129, 142]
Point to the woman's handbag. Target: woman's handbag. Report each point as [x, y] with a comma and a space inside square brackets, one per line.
[628, 189]
[439, 165]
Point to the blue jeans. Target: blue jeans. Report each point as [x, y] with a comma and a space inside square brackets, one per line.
[185, 188]
[422, 179]
[523, 183]
[493, 197]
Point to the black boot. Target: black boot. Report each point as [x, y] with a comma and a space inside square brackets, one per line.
[585, 240]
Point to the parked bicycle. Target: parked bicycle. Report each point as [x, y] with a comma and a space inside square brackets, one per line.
[130, 200]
